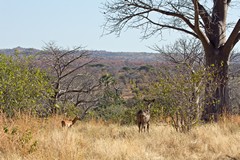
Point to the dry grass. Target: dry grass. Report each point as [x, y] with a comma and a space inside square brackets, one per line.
[32, 138]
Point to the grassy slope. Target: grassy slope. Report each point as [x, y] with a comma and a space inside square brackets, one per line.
[32, 138]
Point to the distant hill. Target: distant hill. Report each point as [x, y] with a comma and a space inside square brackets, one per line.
[103, 55]
[27, 51]
[130, 56]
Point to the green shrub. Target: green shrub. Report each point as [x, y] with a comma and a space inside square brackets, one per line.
[22, 86]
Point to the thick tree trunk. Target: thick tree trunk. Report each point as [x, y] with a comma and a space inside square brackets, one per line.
[217, 100]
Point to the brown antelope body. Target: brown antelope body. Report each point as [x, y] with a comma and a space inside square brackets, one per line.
[143, 117]
[69, 123]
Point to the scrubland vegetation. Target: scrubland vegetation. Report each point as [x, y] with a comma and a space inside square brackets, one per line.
[27, 137]
[194, 90]
[38, 91]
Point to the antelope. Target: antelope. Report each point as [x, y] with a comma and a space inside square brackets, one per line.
[69, 123]
[143, 117]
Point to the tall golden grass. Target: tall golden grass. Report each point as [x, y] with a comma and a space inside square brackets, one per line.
[31, 138]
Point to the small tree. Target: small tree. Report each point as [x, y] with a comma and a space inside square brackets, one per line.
[187, 55]
[181, 83]
[73, 80]
[179, 93]
[181, 96]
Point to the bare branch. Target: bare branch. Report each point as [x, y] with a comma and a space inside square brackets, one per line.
[233, 38]
[197, 29]
[205, 17]
[136, 14]
[161, 26]
[82, 90]
[73, 70]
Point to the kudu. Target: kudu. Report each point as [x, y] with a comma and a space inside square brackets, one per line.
[143, 117]
[69, 123]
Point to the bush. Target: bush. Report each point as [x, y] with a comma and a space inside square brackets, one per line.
[22, 86]
[180, 95]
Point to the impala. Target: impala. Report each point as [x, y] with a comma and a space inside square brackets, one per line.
[69, 123]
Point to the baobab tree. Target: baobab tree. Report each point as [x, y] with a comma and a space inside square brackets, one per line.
[201, 19]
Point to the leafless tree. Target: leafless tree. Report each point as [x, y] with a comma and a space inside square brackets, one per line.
[70, 79]
[184, 51]
[198, 18]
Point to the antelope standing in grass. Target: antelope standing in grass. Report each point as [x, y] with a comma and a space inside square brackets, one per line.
[69, 123]
[143, 117]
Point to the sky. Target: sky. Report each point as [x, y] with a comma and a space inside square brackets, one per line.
[68, 23]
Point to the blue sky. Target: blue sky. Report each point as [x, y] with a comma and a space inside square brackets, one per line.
[31, 23]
